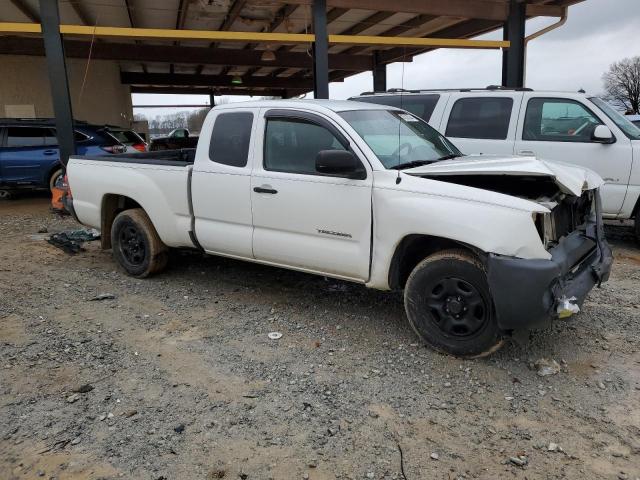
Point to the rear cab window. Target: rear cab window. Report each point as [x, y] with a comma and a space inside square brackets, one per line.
[230, 139]
[420, 105]
[480, 117]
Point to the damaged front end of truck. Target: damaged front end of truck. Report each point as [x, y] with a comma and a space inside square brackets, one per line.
[529, 293]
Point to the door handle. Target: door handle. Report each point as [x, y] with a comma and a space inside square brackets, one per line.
[526, 152]
[50, 152]
[265, 190]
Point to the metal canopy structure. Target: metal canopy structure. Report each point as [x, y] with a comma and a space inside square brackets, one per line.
[256, 47]
[268, 47]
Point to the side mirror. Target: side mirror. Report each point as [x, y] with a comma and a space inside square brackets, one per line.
[340, 163]
[602, 134]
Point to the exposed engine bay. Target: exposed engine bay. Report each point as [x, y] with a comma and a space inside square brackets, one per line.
[568, 212]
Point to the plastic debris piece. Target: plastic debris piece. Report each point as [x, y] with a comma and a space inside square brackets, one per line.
[566, 307]
[102, 296]
[71, 242]
[274, 335]
[545, 367]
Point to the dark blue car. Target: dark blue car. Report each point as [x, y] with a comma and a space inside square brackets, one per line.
[29, 155]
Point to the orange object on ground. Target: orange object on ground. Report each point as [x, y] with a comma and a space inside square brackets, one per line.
[58, 191]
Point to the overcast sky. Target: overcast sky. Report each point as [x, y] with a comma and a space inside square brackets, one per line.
[597, 33]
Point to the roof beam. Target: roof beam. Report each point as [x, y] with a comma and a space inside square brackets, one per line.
[217, 91]
[185, 79]
[479, 9]
[13, 45]
[82, 13]
[291, 38]
[468, 28]
[26, 10]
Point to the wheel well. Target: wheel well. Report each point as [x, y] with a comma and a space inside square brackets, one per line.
[112, 205]
[415, 248]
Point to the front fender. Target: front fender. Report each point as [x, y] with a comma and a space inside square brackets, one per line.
[487, 227]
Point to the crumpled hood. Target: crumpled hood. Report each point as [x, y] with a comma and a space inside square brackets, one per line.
[569, 178]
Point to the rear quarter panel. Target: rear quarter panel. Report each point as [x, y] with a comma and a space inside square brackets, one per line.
[160, 190]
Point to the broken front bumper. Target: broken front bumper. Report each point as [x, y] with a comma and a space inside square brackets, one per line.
[526, 293]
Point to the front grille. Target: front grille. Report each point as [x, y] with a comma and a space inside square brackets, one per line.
[570, 214]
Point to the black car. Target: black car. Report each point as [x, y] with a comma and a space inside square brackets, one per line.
[177, 139]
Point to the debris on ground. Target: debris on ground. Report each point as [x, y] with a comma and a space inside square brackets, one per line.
[546, 367]
[519, 461]
[179, 428]
[71, 241]
[274, 335]
[86, 388]
[102, 296]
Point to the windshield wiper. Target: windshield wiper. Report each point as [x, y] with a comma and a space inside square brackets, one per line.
[419, 163]
[411, 164]
[449, 157]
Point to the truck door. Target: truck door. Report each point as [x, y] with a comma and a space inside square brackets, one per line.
[28, 155]
[304, 219]
[221, 182]
[560, 129]
[485, 123]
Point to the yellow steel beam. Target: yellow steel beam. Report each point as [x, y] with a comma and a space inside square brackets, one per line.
[416, 41]
[252, 37]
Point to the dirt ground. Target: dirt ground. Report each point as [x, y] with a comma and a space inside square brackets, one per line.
[176, 378]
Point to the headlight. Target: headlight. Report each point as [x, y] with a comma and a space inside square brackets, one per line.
[544, 225]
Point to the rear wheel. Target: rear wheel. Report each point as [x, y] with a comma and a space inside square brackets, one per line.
[449, 305]
[54, 178]
[136, 244]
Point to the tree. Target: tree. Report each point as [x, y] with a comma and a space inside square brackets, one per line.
[622, 84]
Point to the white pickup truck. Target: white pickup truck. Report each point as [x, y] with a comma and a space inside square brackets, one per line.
[569, 127]
[483, 247]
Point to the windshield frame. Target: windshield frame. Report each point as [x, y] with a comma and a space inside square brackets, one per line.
[451, 149]
[617, 118]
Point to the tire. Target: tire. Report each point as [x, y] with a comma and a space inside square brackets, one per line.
[136, 244]
[636, 226]
[54, 178]
[449, 305]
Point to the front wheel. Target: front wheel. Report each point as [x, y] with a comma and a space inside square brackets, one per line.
[448, 304]
[136, 244]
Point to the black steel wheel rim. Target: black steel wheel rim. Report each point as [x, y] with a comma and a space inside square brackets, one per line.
[132, 245]
[456, 306]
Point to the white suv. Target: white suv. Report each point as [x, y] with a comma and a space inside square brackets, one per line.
[564, 127]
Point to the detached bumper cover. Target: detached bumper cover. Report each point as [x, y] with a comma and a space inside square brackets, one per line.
[526, 292]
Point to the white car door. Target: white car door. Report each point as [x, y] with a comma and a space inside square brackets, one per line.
[221, 183]
[303, 219]
[560, 129]
[483, 123]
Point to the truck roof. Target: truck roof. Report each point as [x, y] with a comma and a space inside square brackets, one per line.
[333, 105]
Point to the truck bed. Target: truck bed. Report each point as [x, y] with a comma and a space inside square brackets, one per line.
[175, 158]
[156, 181]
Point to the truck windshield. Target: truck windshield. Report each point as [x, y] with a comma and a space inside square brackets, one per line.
[629, 129]
[400, 139]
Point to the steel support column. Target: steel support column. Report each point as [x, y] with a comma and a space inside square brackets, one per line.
[379, 74]
[57, 69]
[320, 50]
[513, 57]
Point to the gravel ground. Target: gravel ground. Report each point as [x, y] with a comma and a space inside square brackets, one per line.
[176, 378]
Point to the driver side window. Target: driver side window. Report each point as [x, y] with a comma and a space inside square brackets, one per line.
[291, 145]
[558, 120]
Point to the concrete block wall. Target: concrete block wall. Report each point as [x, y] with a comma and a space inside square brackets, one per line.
[24, 82]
